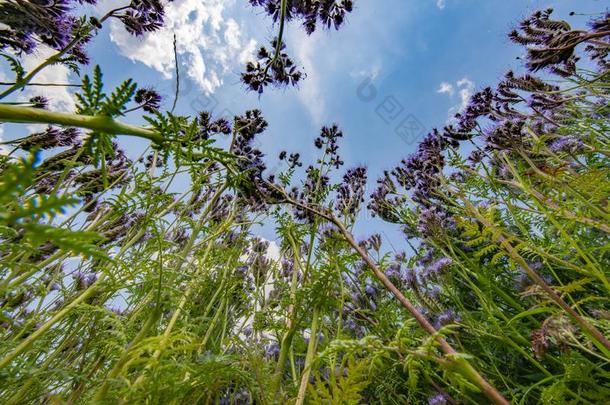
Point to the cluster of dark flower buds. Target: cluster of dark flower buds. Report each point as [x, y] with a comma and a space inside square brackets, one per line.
[275, 66]
[419, 172]
[350, 193]
[52, 137]
[149, 100]
[551, 43]
[330, 13]
[249, 158]
[258, 262]
[28, 23]
[294, 159]
[272, 67]
[143, 16]
[114, 174]
[328, 140]
[208, 127]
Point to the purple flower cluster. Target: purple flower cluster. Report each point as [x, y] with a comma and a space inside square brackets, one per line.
[328, 140]
[82, 281]
[505, 109]
[149, 99]
[353, 328]
[51, 137]
[39, 102]
[52, 22]
[566, 144]
[437, 268]
[253, 188]
[272, 351]
[275, 66]
[435, 220]
[445, 318]
[418, 173]
[38, 21]
[438, 399]
[383, 202]
[317, 182]
[143, 16]
[330, 13]
[208, 127]
[294, 159]
[116, 230]
[115, 172]
[551, 43]
[351, 192]
[309, 194]
[271, 67]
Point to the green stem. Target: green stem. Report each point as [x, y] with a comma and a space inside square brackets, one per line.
[99, 123]
[100, 395]
[311, 351]
[47, 325]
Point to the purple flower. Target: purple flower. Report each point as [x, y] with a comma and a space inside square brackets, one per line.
[351, 191]
[437, 399]
[384, 201]
[438, 268]
[427, 257]
[91, 278]
[329, 13]
[410, 278]
[83, 281]
[350, 325]
[149, 99]
[393, 272]
[35, 21]
[39, 102]
[433, 221]
[433, 292]
[79, 278]
[287, 268]
[551, 43]
[445, 318]
[50, 138]
[241, 271]
[272, 351]
[143, 16]
[271, 68]
[567, 144]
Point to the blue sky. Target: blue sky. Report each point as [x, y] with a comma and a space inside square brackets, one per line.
[395, 62]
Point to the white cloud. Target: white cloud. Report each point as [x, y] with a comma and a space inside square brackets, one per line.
[60, 99]
[209, 43]
[310, 91]
[371, 73]
[440, 4]
[3, 149]
[446, 88]
[273, 251]
[465, 88]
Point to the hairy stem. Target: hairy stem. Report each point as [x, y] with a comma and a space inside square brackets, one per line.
[99, 123]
